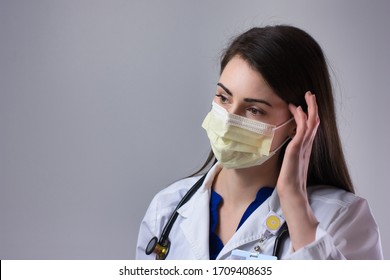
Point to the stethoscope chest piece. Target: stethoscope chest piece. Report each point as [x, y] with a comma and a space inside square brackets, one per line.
[161, 250]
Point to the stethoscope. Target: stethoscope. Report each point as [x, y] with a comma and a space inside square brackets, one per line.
[162, 245]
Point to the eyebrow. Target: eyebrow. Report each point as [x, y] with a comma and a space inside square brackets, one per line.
[250, 100]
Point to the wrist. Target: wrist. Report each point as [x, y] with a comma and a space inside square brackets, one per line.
[300, 218]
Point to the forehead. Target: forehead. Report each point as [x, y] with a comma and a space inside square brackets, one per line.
[245, 82]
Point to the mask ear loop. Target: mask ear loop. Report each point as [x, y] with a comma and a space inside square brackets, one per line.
[281, 145]
[283, 124]
[287, 139]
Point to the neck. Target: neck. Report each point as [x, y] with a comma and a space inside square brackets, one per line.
[240, 186]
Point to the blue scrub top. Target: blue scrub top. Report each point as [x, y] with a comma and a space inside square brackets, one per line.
[215, 243]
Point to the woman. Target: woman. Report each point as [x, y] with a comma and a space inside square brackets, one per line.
[279, 164]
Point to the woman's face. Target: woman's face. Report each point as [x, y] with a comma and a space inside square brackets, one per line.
[243, 91]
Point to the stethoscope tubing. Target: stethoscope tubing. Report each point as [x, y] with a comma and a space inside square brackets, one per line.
[282, 234]
[173, 217]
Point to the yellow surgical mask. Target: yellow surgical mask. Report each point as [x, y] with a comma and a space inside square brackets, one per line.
[239, 142]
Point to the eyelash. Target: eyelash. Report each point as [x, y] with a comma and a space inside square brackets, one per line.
[222, 98]
[256, 111]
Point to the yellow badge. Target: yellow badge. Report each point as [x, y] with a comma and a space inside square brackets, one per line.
[273, 222]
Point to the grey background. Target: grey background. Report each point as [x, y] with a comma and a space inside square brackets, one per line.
[101, 104]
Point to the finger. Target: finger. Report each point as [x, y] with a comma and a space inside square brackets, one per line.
[301, 125]
[313, 122]
[312, 109]
[313, 119]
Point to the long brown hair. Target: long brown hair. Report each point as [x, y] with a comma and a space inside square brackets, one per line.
[292, 63]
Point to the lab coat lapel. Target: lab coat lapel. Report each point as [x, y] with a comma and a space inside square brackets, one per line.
[195, 226]
[196, 217]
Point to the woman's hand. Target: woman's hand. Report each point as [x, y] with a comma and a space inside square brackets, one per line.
[291, 184]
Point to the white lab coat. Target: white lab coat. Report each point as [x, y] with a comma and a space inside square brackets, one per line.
[346, 230]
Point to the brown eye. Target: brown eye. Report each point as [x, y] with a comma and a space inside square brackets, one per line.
[222, 98]
[256, 111]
